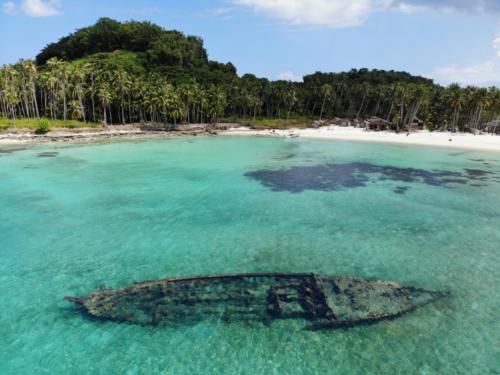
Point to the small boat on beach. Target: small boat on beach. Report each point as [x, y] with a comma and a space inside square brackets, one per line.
[324, 302]
[293, 135]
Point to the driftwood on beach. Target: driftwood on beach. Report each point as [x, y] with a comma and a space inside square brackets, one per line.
[326, 302]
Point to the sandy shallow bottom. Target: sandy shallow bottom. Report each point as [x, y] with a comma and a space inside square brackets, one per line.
[74, 218]
[424, 138]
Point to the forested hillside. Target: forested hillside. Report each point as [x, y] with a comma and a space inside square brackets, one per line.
[130, 72]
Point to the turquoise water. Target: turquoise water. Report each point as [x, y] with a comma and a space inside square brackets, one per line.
[75, 218]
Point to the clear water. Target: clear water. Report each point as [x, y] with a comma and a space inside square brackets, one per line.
[111, 214]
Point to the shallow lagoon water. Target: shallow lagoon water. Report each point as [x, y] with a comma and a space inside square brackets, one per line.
[75, 218]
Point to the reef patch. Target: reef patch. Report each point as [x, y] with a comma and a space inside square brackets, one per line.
[337, 177]
[49, 154]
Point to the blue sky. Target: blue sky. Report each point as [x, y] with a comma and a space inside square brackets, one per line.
[448, 40]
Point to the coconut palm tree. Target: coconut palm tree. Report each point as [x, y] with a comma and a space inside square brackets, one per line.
[479, 100]
[418, 94]
[327, 91]
[365, 92]
[105, 99]
[456, 101]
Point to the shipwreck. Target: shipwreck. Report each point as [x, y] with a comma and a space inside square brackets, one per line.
[322, 302]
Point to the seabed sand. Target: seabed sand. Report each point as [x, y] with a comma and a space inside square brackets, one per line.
[424, 138]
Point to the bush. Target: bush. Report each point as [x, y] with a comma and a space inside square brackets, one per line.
[43, 126]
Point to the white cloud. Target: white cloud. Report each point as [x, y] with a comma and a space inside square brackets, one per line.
[410, 8]
[348, 13]
[317, 13]
[33, 8]
[496, 42]
[40, 8]
[220, 11]
[289, 76]
[146, 11]
[9, 7]
[482, 73]
[225, 13]
[485, 73]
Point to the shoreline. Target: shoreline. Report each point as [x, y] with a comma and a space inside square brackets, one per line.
[420, 138]
[329, 133]
[89, 136]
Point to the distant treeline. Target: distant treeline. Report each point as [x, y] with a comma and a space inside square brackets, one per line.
[132, 72]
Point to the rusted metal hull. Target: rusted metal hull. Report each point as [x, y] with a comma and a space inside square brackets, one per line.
[325, 302]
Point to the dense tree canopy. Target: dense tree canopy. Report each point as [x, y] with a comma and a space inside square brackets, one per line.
[158, 45]
[136, 71]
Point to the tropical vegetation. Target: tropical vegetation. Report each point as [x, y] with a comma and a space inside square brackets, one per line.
[137, 72]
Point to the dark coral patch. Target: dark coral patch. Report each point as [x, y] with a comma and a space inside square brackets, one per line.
[11, 150]
[401, 189]
[335, 177]
[477, 172]
[52, 154]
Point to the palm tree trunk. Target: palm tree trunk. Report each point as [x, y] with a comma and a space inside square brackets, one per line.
[322, 108]
[390, 111]
[361, 108]
[105, 116]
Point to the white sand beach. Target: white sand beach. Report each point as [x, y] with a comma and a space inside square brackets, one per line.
[424, 138]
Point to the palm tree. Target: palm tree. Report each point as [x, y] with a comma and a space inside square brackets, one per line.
[291, 98]
[58, 81]
[217, 103]
[77, 92]
[186, 92]
[90, 71]
[419, 94]
[76, 110]
[10, 92]
[390, 94]
[365, 91]
[478, 101]
[29, 74]
[456, 100]
[326, 90]
[164, 100]
[105, 98]
[123, 85]
[402, 96]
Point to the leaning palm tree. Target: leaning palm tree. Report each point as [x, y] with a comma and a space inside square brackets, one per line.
[365, 92]
[326, 90]
[479, 101]
[419, 94]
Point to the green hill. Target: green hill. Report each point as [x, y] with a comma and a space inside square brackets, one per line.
[139, 47]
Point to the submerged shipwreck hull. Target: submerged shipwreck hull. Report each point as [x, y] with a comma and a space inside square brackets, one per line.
[326, 302]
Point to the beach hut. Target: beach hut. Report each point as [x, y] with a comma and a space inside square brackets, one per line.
[376, 123]
[492, 127]
[417, 124]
